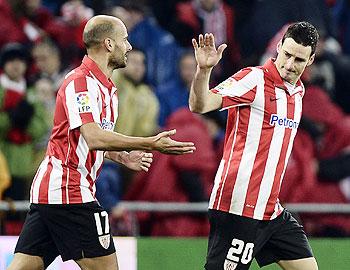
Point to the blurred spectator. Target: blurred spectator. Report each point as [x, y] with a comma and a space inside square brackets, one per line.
[159, 46]
[47, 62]
[138, 105]
[22, 122]
[209, 16]
[174, 94]
[5, 178]
[27, 22]
[75, 15]
[178, 179]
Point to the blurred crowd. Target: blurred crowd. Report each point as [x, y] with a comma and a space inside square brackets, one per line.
[40, 41]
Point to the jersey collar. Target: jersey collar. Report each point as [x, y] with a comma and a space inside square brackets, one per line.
[271, 69]
[97, 72]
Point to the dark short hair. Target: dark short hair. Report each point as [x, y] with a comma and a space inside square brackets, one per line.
[12, 51]
[98, 33]
[303, 33]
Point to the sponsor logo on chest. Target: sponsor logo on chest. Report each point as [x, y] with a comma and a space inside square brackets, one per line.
[276, 120]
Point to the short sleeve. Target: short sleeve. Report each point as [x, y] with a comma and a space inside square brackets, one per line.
[82, 102]
[239, 89]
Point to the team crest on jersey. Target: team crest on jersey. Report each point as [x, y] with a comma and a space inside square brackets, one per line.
[83, 102]
[230, 265]
[105, 241]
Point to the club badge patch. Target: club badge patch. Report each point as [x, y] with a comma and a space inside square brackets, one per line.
[83, 102]
[229, 265]
[105, 241]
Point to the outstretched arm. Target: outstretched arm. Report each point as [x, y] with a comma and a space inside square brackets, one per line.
[201, 99]
[99, 139]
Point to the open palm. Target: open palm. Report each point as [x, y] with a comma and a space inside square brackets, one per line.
[205, 51]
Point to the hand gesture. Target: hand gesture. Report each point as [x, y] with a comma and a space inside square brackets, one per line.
[138, 160]
[164, 144]
[205, 52]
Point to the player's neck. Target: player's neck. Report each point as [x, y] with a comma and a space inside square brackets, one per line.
[101, 62]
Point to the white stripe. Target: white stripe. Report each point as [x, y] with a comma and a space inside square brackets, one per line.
[36, 185]
[216, 183]
[73, 113]
[69, 73]
[245, 169]
[94, 90]
[82, 153]
[94, 169]
[273, 157]
[55, 190]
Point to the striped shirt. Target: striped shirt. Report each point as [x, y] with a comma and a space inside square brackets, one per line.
[69, 170]
[263, 116]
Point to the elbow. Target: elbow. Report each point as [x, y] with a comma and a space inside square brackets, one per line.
[196, 109]
[93, 144]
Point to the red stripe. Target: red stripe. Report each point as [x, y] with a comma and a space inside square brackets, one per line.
[281, 162]
[80, 84]
[103, 112]
[262, 153]
[74, 192]
[63, 184]
[44, 185]
[111, 107]
[242, 73]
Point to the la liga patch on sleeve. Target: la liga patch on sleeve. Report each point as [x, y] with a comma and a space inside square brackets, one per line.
[83, 102]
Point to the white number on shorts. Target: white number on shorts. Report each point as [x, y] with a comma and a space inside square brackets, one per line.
[237, 248]
[103, 214]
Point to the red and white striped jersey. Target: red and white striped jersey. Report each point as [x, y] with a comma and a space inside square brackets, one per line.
[68, 173]
[263, 116]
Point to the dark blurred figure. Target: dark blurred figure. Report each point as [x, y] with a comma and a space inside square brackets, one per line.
[209, 16]
[342, 19]
[174, 94]
[159, 46]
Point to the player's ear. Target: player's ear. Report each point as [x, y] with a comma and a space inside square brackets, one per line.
[279, 46]
[311, 60]
[108, 44]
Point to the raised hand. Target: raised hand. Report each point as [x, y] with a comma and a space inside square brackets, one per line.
[207, 56]
[137, 160]
[164, 144]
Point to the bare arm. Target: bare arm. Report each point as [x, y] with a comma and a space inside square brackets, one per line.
[99, 139]
[201, 99]
[135, 160]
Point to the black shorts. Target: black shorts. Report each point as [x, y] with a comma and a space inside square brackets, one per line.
[74, 231]
[235, 240]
